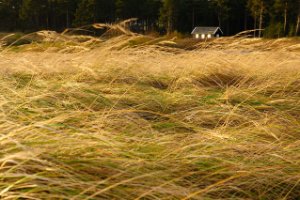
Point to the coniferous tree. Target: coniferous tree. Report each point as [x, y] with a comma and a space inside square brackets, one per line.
[282, 8]
[222, 9]
[9, 14]
[169, 14]
[85, 13]
[34, 13]
[258, 9]
[278, 17]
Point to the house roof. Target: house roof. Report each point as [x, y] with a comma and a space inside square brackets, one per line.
[206, 30]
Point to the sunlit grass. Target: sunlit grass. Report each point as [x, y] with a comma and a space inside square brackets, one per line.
[151, 121]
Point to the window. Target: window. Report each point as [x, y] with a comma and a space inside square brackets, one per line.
[209, 36]
[197, 36]
[203, 36]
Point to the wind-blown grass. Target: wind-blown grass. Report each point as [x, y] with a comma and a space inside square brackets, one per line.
[152, 122]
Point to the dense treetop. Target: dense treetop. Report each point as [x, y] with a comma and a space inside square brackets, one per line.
[277, 17]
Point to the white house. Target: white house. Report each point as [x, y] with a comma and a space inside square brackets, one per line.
[207, 32]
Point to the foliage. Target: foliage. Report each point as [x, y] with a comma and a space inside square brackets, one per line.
[170, 15]
[274, 30]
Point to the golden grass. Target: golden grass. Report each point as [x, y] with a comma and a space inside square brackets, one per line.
[151, 121]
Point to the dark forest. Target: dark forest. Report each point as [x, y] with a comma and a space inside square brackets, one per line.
[278, 18]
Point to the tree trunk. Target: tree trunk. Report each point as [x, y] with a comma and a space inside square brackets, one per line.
[246, 20]
[255, 24]
[285, 17]
[169, 25]
[193, 20]
[47, 21]
[298, 25]
[261, 19]
[67, 18]
[48, 15]
[37, 21]
[170, 22]
[219, 19]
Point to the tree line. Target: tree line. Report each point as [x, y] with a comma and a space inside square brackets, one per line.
[278, 17]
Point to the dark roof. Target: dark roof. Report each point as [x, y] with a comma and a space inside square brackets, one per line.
[206, 30]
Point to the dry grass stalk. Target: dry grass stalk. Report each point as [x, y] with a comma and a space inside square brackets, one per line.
[151, 122]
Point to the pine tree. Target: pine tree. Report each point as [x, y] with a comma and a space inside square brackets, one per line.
[222, 8]
[257, 9]
[85, 13]
[168, 15]
[34, 12]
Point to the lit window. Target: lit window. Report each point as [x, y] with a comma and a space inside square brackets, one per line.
[203, 36]
[197, 36]
[209, 36]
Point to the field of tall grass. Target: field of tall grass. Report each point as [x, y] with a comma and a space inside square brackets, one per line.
[135, 117]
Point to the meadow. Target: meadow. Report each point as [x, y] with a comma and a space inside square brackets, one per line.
[136, 117]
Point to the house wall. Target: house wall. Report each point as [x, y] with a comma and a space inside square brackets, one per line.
[203, 36]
